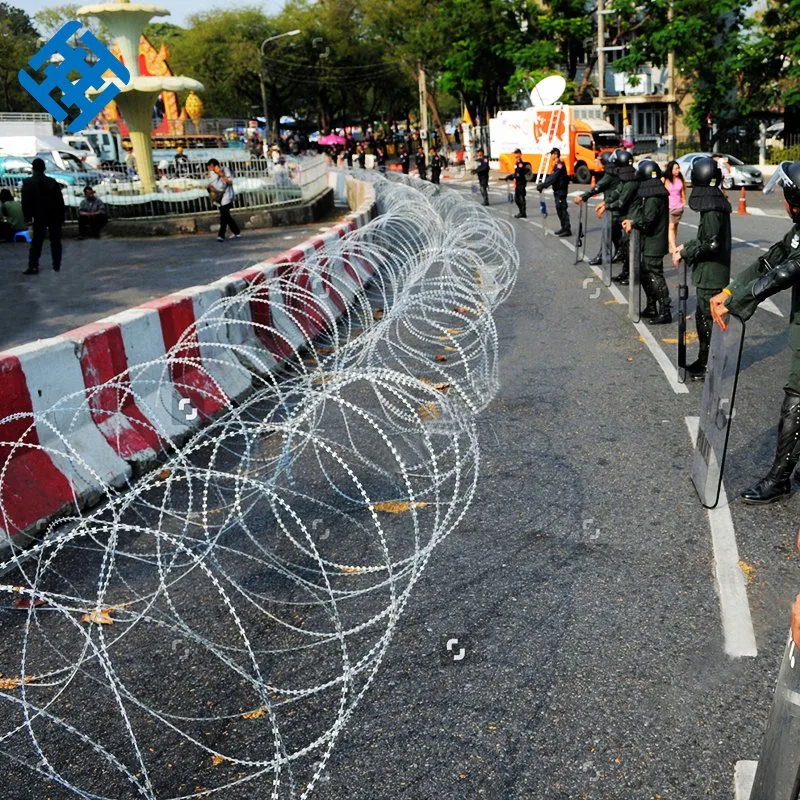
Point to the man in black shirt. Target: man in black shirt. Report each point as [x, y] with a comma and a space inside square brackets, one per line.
[482, 171]
[520, 178]
[559, 180]
[43, 204]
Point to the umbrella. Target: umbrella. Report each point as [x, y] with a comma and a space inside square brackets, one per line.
[331, 138]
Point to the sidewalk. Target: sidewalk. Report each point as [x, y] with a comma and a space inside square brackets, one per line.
[102, 277]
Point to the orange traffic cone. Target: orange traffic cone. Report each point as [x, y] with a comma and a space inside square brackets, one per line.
[742, 203]
[593, 181]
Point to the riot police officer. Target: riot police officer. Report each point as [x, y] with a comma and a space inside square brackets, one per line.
[619, 201]
[405, 160]
[605, 185]
[559, 180]
[650, 215]
[421, 166]
[482, 171]
[437, 162]
[771, 273]
[709, 254]
[520, 178]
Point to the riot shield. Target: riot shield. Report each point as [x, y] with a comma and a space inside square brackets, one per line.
[543, 212]
[580, 238]
[606, 249]
[716, 410]
[635, 270]
[683, 296]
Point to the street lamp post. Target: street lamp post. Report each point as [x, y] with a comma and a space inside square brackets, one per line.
[261, 70]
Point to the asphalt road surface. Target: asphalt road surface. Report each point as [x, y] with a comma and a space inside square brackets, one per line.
[582, 581]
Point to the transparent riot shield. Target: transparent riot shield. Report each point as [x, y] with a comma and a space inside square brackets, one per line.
[683, 296]
[543, 212]
[580, 237]
[635, 270]
[716, 410]
[606, 249]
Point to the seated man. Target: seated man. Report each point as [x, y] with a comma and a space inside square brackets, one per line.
[92, 215]
[12, 220]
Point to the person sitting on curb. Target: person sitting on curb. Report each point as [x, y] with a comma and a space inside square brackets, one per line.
[12, 220]
[92, 215]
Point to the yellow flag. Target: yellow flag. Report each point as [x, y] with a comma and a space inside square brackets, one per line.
[467, 119]
[624, 117]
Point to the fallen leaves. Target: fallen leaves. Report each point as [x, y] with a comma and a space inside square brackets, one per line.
[13, 683]
[217, 759]
[748, 571]
[397, 506]
[441, 357]
[100, 616]
[257, 714]
[351, 570]
[429, 411]
[378, 314]
[164, 474]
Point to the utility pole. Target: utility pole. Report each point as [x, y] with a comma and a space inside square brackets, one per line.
[671, 150]
[601, 53]
[423, 108]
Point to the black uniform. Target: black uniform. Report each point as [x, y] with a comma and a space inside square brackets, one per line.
[619, 200]
[362, 159]
[482, 171]
[437, 162]
[421, 167]
[405, 160]
[380, 159]
[520, 178]
[43, 203]
[559, 180]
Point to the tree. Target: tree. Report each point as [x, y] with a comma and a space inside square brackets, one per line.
[19, 40]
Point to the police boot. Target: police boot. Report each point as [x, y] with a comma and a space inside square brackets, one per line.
[777, 482]
[650, 310]
[661, 292]
[596, 261]
[624, 278]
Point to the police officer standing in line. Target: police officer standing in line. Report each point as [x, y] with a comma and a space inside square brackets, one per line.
[559, 180]
[437, 162]
[709, 254]
[482, 171]
[650, 215]
[520, 178]
[619, 201]
[405, 159]
[605, 185]
[420, 161]
[778, 269]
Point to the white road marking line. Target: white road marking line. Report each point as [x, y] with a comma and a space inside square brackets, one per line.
[757, 212]
[768, 305]
[662, 359]
[737, 624]
[744, 773]
[292, 236]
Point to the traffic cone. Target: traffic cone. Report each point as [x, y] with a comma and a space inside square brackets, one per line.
[742, 203]
[593, 182]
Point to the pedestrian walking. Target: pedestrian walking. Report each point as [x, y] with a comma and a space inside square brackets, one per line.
[420, 161]
[220, 186]
[520, 178]
[709, 254]
[43, 207]
[559, 180]
[92, 215]
[12, 219]
[676, 189]
[770, 273]
[482, 171]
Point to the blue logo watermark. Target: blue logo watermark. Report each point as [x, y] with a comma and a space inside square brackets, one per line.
[62, 59]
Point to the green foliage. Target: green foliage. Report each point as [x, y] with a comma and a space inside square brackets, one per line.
[19, 40]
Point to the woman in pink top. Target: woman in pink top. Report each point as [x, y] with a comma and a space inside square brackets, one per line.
[676, 189]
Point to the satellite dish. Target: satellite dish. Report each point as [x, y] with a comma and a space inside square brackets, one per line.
[547, 91]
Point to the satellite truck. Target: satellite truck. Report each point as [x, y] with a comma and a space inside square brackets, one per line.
[579, 132]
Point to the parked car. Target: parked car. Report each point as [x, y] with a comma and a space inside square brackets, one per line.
[741, 173]
[66, 168]
[14, 170]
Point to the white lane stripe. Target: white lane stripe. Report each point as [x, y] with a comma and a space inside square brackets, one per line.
[768, 305]
[737, 624]
[744, 773]
[662, 359]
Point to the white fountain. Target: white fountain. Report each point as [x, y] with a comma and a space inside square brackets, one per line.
[125, 21]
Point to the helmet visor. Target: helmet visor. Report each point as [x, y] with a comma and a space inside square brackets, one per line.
[780, 178]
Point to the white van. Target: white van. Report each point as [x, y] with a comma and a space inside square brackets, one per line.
[82, 145]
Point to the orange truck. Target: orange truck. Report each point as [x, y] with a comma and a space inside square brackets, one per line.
[579, 132]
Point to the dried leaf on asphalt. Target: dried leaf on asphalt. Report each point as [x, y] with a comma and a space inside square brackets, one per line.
[217, 759]
[257, 714]
[25, 603]
[13, 683]
[164, 474]
[378, 314]
[463, 310]
[450, 349]
[441, 357]
[351, 570]
[100, 616]
[398, 506]
[429, 411]
[748, 571]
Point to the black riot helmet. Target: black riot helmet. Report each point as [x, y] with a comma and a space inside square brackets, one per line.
[623, 157]
[704, 171]
[606, 158]
[647, 169]
[787, 176]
